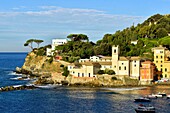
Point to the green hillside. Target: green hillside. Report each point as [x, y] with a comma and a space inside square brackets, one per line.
[150, 33]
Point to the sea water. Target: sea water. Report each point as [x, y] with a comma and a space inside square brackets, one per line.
[69, 99]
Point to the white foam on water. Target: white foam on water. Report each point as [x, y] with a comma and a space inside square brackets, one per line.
[16, 78]
[14, 73]
[124, 89]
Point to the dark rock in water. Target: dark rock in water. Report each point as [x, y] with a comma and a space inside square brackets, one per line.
[19, 87]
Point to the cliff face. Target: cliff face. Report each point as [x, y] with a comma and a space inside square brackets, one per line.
[40, 65]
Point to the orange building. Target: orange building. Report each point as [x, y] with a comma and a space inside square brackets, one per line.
[147, 71]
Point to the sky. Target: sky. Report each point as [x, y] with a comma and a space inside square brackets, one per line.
[21, 20]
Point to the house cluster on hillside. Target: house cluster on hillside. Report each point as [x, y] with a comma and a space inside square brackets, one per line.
[134, 67]
[55, 42]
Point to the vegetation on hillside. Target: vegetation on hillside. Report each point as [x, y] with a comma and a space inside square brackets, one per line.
[151, 33]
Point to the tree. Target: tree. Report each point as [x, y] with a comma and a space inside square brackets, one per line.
[78, 37]
[29, 43]
[38, 42]
[65, 71]
[161, 32]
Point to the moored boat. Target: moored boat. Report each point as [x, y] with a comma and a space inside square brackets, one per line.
[162, 93]
[145, 109]
[142, 99]
[168, 96]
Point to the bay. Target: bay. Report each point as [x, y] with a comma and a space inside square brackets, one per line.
[70, 99]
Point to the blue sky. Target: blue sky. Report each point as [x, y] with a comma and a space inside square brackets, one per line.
[21, 20]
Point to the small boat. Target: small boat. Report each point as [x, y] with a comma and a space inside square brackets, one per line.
[142, 99]
[162, 93]
[168, 96]
[145, 109]
[151, 97]
[156, 95]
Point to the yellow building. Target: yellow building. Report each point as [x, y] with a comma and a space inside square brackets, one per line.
[162, 61]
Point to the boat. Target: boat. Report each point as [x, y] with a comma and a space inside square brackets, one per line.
[151, 96]
[162, 93]
[168, 96]
[145, 109]
[156, 95]
[142, 99]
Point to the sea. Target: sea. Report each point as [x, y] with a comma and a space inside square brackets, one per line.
[65, 99]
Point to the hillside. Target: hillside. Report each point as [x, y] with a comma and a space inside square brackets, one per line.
[149, 33]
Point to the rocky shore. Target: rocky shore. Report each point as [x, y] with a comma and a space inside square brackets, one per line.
[16, 87]
[51, 73]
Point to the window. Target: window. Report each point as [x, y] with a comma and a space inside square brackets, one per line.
[161, 61]
[73, 72]
[161, 69]
[122, 63]
[161, 65]
[161, 56]
[110, 66]
[165, 75]
[161, 51]
[125, 67]
[119, 68]
[114, 50]
[82, 74]
[156, 56]
[135, 65]
[114, 66]
[135, 61]
[78, 74]
[165, 69]
[156, 61]
[89, 74]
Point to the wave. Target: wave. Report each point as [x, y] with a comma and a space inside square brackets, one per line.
[14, 73]
[124, 89]
[49, 86]
[16, 78]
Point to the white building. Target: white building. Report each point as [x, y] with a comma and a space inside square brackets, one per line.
[129, 66]
[55, 42]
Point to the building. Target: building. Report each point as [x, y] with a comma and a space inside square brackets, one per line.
[55, 42]
[85, 69]
[129, 66]
[147, 72]
[162, 60]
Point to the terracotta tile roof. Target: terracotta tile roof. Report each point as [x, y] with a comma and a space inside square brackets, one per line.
[135, 58]
[122, 58]
[105, 63]
[90, 63]
[106, 57]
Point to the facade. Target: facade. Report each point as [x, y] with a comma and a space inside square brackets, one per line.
[55, 42]
[125, 65]
[87, 69]
[129, 66]
[162, 61]
[147, 72]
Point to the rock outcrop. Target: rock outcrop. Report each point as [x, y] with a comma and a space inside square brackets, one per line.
[50, 72]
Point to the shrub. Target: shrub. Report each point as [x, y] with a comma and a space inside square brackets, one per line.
[110, 72]
[100, 72]
[50, 60]
[61, 65]
[114, 78]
